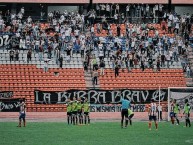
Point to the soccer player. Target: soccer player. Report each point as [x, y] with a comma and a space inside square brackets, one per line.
[124, 111]
[86, 107]
[187, 113]
[175, 109]
[22, 113]
[130, 114]
[69, 111]
[79, 111]
[74, 111]
[152, 114]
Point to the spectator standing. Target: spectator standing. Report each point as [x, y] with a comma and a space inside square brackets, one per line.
[11, 54]
[16, 55]
[46, 65]
[102, 66]
[163, 58]
[188, 71]
[116, 70]
[29, 54]
[95, 77]
[61, 61]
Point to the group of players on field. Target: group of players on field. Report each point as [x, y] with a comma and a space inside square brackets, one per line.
[175, 111]
[78, 111]
[152, 113]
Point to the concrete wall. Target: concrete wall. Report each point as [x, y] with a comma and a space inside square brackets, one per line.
[184, 9]
[62, 8]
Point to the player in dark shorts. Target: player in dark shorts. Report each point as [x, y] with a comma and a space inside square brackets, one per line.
[175, 110]
[86, 107]
[22, 113]
[69, 111]
[186, 112]
[79, 111]
[130, 115]
[152, 114]
[124, 111]
[74, 111]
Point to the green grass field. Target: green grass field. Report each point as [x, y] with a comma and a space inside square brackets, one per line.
[99, 133]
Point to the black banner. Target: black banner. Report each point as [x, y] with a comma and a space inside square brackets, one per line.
[9, 105]
[100, 96]
[6, 94]
[115, 108]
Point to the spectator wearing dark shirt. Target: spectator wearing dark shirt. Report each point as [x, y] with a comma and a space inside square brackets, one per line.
[116, 70]
[17, 55]
[29, 53]
[163, 58]
[118, 31]
[11, 55]
[102, 66]
[61, 61]
[95, 77]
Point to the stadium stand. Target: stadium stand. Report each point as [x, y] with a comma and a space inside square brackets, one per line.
[23, 76]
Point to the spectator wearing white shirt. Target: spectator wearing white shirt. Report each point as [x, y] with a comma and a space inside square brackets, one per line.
[127, 10]
[1, 24]
[188, 71]
[108, 10]
[22, 43]
[46, 65]
[22, 10]
[37, 44]
[180, 44]
[67, 34]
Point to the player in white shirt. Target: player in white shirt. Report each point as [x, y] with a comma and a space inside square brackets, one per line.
[22, 113]
[153, 114]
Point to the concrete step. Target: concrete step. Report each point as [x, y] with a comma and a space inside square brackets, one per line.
[189, 79]
[189, 84]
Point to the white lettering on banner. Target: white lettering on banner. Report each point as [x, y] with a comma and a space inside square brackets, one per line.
[47, 97]
[63, 95]
[37, 97]
[155, 95]
[83, 95]
[101, 94]
[9, 106]
[114, 95]
[135, 94]
[4, 40]
[124, 95]
[93, 96]
[103, 108]
[138, 108]
[6, 95]
[17, 104]
[6, 106]
[1, 41]
[115, 108]
[143, 93]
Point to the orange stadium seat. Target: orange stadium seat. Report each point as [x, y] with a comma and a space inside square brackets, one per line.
[23, 79]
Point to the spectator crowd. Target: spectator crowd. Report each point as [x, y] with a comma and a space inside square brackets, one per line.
[159, 42]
